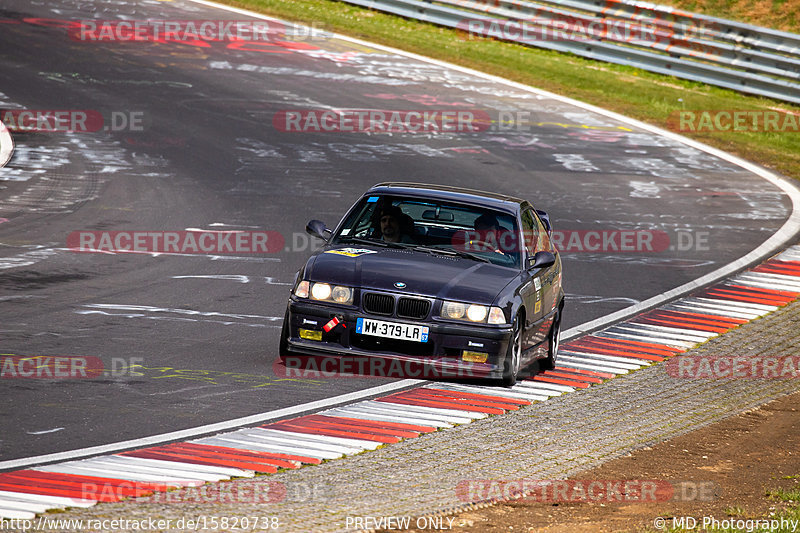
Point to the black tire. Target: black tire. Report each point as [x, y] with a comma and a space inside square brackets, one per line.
[549, 363]
[283, 345]
[513, 359]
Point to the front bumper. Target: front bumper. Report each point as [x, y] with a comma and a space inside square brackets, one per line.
[441, 356]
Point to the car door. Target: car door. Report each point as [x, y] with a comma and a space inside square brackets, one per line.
[540, 290]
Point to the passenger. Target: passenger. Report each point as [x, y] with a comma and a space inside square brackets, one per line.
[488, 233]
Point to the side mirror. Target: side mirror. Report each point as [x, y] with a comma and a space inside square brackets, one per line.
[545, 220]
[317, 229]
[542, 260]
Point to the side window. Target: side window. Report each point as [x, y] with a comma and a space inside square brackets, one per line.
[544, 244]
[535, 234]
[530, 232]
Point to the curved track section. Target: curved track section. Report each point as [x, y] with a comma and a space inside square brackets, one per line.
[192, 140]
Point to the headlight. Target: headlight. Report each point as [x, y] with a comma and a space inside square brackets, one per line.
[324, 292]
[473, 313]
[342, 295]
[453, 310]
[476, 313]
[320, 291]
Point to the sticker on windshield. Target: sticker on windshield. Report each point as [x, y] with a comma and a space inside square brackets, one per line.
[351, 252]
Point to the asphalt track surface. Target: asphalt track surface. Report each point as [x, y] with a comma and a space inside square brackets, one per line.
[202, 330]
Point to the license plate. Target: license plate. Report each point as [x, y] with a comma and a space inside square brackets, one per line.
[392, 330]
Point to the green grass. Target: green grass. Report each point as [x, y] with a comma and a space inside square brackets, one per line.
[783, 495]
[630, 91]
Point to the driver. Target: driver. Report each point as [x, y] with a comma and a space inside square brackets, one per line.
[393, 225]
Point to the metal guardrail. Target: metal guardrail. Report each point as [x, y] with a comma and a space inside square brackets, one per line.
[659, 39]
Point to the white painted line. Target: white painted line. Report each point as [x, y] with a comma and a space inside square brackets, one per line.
[378, 407]
[597, 368]
[6, 145]
[594, 364]
[445, 415]
[790, 254]
[210, 428]
[740, 305]
[538, 392]
[252, 446]
[181, 466]
[637, 363]
[678, 333]
[56, 501]
[126, 475]
[765, 276]
[135, 467]
[555, 387]
[513, 392]
[412, 418]
[14, 513]
[288, 440]
[110, 464]
[443, 410]
[627, 327]
[690, 334]
[708, 310]
[385, 418]
[765, 284]
[622, 335]
[750, 314]
[23, 506]
[594, 358]
[351, 442]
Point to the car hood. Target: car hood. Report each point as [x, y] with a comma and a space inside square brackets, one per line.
[424, 274]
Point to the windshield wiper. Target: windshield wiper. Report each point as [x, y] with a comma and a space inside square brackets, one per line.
[374, 242]
[451, 251]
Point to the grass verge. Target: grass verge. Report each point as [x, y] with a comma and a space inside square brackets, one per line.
[642, 95]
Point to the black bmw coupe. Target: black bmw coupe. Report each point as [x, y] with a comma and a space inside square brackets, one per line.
[463, 280]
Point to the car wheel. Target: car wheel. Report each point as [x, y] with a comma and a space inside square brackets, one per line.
[555, 338]
[283, 346]
[513, 354]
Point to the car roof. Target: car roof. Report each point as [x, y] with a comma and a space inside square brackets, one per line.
[446, 192]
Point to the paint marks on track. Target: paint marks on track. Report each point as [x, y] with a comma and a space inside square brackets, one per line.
[150, 312]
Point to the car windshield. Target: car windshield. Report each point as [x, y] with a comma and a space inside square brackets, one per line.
[434, 226]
